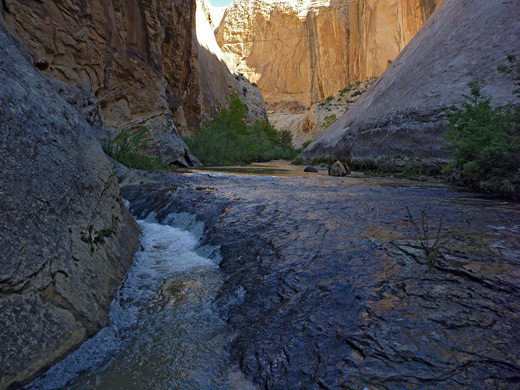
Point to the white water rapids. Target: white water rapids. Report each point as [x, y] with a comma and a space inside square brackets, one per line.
[164, 332]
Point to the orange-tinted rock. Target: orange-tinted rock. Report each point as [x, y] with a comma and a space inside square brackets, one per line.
[307, 50]
[216, 81]
[141, 60]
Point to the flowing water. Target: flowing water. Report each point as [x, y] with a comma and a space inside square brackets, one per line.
[295, 280]
[335, 289]
[164, 332]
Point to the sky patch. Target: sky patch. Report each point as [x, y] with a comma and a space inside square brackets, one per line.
[220, 3]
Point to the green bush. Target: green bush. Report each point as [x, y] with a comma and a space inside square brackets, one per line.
[286, 138]
[298, 160]
[431, 238]
[305, 144]
[125, 148]
[330, 99]
[329, 121]
[227, 139]
[344, 91]
[485, 140]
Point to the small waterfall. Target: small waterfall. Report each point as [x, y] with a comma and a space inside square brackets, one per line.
[164, 332]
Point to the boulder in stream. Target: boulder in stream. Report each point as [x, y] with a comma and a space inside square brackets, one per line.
[339, 169]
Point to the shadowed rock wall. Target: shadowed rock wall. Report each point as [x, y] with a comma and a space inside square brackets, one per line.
[66, 238]
[140, 59]
[403, 114]
[136, 57]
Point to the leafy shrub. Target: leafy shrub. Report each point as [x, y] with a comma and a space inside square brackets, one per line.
[226, 139]
[357, 93]
[298, 160]
[125, 148]
[485, 140]
[329, 121]
[286, 138]
[431, 238]
[344, 91]
[305, 144]
[330, 99]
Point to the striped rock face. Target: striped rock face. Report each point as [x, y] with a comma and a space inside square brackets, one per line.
[307, 50]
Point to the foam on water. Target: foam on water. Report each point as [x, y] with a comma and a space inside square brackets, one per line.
[163, 330]
[163, 244]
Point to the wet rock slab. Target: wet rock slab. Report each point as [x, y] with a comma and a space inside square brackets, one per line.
[327, 287]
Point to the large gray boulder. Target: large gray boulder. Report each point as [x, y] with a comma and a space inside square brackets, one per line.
[66, 239]
[403, 114]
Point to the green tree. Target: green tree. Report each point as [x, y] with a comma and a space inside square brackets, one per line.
[485, 140]
[286, 138]
[127, 148]
[226, 138]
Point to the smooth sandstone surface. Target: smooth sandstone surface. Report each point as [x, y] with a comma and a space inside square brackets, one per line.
[67, 239]
[403, 114]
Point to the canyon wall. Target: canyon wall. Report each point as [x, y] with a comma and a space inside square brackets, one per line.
[70, 73]
[136, 57]
[380, 29]
[67, 239]
[403, 115]
[140, 59]
[304, 51]
[217, 83]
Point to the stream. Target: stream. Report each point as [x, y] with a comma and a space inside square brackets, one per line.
[163, 332]
[266, 277]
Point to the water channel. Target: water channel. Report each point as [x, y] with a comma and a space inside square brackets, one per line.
[280, 279]
[164, 332]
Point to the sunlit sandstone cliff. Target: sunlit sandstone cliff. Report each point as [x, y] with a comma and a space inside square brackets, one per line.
[403, 116]
[140, 59]
[304, 51]
[216, 81]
